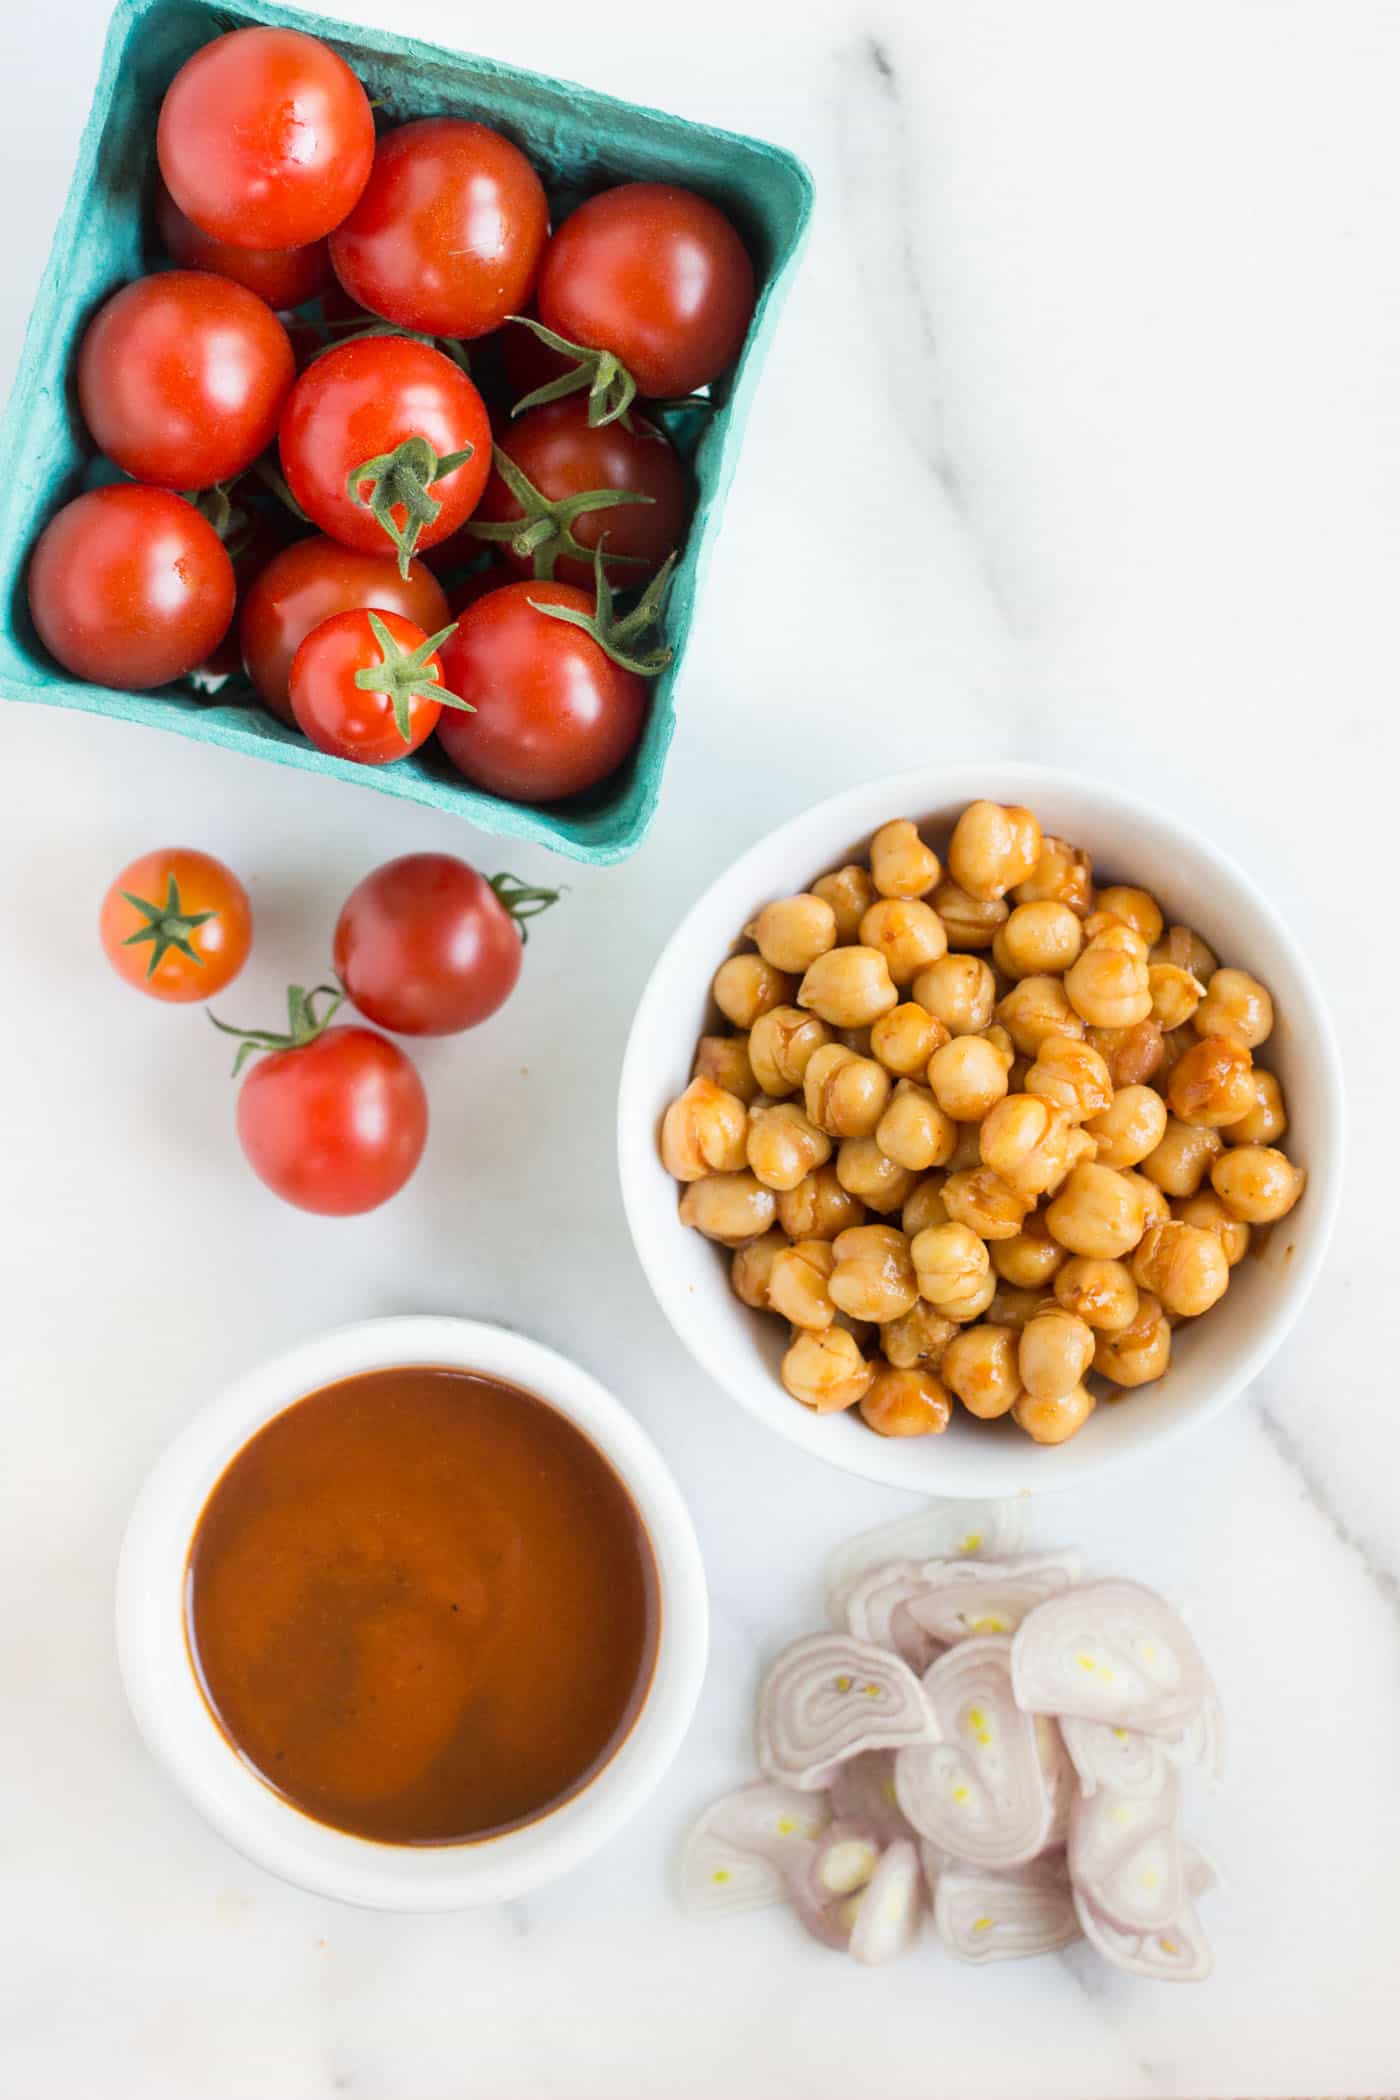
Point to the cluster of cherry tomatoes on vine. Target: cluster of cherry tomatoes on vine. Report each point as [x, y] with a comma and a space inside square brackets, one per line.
[304, 361]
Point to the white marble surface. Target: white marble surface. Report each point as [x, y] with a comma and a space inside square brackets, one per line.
[1080, 440]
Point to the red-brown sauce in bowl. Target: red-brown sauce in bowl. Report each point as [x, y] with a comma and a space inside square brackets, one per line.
[422, 1606]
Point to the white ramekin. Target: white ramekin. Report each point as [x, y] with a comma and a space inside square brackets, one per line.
[1196, 884]
[178, 1727]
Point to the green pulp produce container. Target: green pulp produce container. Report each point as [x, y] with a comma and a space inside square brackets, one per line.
[580, 142]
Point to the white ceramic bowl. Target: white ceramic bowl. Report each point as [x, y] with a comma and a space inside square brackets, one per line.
[1196, 885]
[178, 1727]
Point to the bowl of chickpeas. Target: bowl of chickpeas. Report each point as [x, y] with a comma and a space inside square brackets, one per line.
[980, 1127]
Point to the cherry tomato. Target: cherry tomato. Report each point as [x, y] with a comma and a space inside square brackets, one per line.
[282, 277]
[554, 713]
[265, 138]
[562, 456]
[380, 401]
[308, 582]
[363, 685]
[658, 276]
[181, 378]
[177, 925]
[426, 946]
[130, 587]
[449, 231]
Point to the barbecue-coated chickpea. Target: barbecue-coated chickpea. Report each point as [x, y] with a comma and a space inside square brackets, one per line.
[901, 865]
[794, 931]
[873, 1275]
[1135, 908]
[1097, 1212]
[781, 1045]
[1104, 929]
[1030, 1259]
[1131, 1127]
[1000, 1040]
[914, 1131]
[1071, 1076]
[978, 1197]
[1182, 1157]
[1102, 1293]
[960, 991]
[1062, 875]
[918, 1337]
[730, 1208]
[725, 1059]
[752, 1267]
[1265, 1122]
[1038, 940]
[1206, 1210]
[1055, 1350]
[950, 1264]
[865, 1172]
[798, 1283]
[906, 1403]
[1211, 1083]
[1140, 1352]
[1185, 950]
[818, 1208]
[826, 1371]
[905, 1039]
[980, 1367]
[1054, 1421]
[968, 1077]
[1035, 1008]
[907, 933]
[993, 847]
[849, 987]
[850, 893]
[926, 1206]
[1023, 1140]
[1183, 1267]
[1257, 1183]
[1010, 1307]
[747, 986]
[784, 1146]
[1108, 987]
[1236, 1005]
[1175, 994]
[1133, 1055]
[969, 922]
[703, 1132]
[1156, 1206]
[844, 1094]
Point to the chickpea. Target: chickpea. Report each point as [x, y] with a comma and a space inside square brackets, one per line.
[926, 1206]
[864, 1171]
[844, 1094]
[978, 1197]
[850, 893]
[1035, 1008]
[873, 1276]
[798, 1283]
[1175, 994]
[1140, 1352]
[1206, 1210]
[1012, 1308]
[703, 1132]
[826, 1371]
[730, 1208]
[751, 1269]
[950, 1265]
[906, 1403]
[1185, 950]
[1107, 987]
[725, 1059]
[1105, 930]
[1054, 1421]
[849, 987]
[782, 1044]
[901, 865]
[1257, 1183]
[1183, 1266]
[792, 933]
[959, 991]
[1236, 1005]
[1000, 1040]
[968, 1077]
[907, 933]
[1071, 1076]
[980, 1367]
[914, 1131]
[818, 1208]
[784, 1146]
[746, 986]
[1267, 1120]
[1038, 940]
[1135, 908]
[1156, 1207]
[1031, 1258]
[970, 922]
[1023, 1140]
[1102, 1293]
[1062, 875]
[1133, 1055]
[905, 1039]
[918, 1337]
[1210, 1083]
[1055, 1350]
[1131, 1127]
[1182, 1157]
[1097, 1212]
[993, 847]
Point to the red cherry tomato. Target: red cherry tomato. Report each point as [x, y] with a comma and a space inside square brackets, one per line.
[658, 276]
[177, 925]
[426, 946]
[265, 138]
[308, 582]
[449, 231]
[130, 586]
[281, 277]
[563, 457]
[362, 686]
[554, 713]
[361, 403]
[181, 378]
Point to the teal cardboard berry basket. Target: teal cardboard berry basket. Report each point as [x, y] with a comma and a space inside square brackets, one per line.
[580, 142]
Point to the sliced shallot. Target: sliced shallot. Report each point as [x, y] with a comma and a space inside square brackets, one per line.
[956, 1599]
[1174, 1953]
[748, 1846]
[981, 1792]
[1122, 1759]
[828, 1698]
[939, 1531]
[718, 1880]
[1059, 1777]
[843, 1860]
[862, 1790]
[1109, 1651]
[1006, 1917]
[1202, 1741]
[876, 1606]
[890, 1907]
[1125, 1854]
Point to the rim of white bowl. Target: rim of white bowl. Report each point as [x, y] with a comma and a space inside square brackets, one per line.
[173, 1717]
[1007, 1463]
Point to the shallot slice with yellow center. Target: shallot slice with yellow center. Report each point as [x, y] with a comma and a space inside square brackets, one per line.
[830, 1697]
[941, 1531]
[981, 1792]
[890, 1908]
[959, 1599]
[1122, 1759]
[1109, 1651]
[1126, 1857]
[877, 1606]
[1006, 1917]
[1174, 1953]
[748, 1847]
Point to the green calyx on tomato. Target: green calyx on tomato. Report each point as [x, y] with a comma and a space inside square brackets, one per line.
[634, 640]
[546, 528]
[402, 479]
[304, 1024]
[611, 387]
[167, 926]
[404, 675]
[520, 901]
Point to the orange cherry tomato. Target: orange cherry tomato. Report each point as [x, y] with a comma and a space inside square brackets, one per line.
[177, 925]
